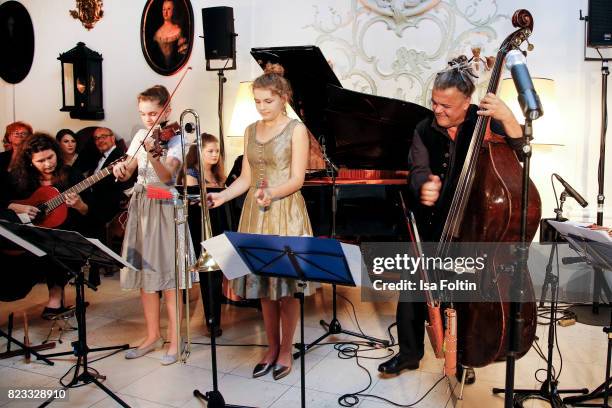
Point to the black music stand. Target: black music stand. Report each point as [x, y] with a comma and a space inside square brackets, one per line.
[74, 249]
[305, 259]
[600, 256]
[25, 349]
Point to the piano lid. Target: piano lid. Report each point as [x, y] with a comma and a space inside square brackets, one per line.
[359, 130]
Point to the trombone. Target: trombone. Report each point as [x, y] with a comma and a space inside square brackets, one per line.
[205, 262]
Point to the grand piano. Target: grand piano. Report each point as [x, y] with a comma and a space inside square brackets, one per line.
[365, 137]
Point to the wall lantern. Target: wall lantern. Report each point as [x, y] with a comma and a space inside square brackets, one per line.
[82, 83]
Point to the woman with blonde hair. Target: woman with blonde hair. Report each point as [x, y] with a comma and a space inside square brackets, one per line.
[273, 169]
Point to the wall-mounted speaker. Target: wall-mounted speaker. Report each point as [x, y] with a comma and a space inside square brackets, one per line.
[219, 36]
[599, 32]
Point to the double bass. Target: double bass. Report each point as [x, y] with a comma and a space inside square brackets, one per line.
[486, 208]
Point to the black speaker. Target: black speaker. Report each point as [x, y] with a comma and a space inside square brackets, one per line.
[219, 36]
[600, 23]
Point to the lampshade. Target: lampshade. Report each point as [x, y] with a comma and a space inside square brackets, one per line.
[546, 129]
[245, 113]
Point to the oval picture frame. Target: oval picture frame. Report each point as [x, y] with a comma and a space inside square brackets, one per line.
[17, 45]
[166, 36]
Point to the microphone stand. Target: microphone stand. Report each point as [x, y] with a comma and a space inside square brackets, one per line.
[548, 391]
[550, 279]
[516, 318]
[222, 80]
[599, 282]
[334, 326]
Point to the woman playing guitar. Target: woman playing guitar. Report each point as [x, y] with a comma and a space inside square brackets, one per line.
[40, 163]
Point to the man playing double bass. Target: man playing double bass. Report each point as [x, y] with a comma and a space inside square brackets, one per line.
[436, 158]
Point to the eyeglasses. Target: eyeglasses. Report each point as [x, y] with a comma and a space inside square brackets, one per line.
[100, 137]
[20, 134]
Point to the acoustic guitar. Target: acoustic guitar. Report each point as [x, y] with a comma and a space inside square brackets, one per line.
[52, 203]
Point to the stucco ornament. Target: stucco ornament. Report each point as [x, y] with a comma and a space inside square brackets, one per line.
[400, 10]
[89, 12]
[395, 47]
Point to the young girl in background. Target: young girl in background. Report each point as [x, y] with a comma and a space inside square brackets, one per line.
[149, 242]
[214, 176]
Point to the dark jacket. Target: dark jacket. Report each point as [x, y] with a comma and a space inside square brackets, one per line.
[106, 194]
[434, 152]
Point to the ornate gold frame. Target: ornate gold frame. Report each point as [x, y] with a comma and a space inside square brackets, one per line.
[89, 12]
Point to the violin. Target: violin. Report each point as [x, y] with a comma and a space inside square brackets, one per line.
[162, 135]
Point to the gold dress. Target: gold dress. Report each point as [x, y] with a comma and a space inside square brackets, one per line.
[271, 162]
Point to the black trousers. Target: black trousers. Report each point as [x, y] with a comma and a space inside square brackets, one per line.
[216, 278]
[411, 328]
[24, 271]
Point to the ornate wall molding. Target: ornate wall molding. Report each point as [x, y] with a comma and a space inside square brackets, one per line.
[400, 10]
[395, 47]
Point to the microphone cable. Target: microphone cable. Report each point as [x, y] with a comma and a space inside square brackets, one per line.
[352, 350]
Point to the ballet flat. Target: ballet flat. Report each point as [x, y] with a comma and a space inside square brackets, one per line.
[136, 352]
[168, 359]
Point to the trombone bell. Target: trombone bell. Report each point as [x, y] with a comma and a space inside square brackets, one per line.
[205, 263]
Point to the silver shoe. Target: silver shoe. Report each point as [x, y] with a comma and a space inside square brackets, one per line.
[168, 359]
[136, 352]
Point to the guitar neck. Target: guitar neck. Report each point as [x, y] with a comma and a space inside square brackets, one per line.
[77, 188]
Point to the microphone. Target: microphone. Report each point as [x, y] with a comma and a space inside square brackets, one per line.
[572, 193]
[527, 95]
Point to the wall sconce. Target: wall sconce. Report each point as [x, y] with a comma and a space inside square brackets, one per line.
[546, 130]
[82, 83]
[245, 113]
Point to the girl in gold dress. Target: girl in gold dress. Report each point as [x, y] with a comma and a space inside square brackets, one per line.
[276, 155]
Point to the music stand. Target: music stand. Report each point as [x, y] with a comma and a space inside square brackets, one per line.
[73, 248]
[596, 246]
[25, 349]
[305, 259]
[549, 391]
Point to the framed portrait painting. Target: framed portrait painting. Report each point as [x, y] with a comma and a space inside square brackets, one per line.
[166, 34]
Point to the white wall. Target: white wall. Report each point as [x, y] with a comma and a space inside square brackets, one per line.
[558, 38]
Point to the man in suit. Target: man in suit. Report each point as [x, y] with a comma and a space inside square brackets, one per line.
[106, 195]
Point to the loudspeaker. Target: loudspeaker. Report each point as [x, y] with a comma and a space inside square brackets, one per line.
[219, 36]
[600, 23]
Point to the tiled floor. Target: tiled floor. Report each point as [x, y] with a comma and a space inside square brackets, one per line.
[114, 317]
